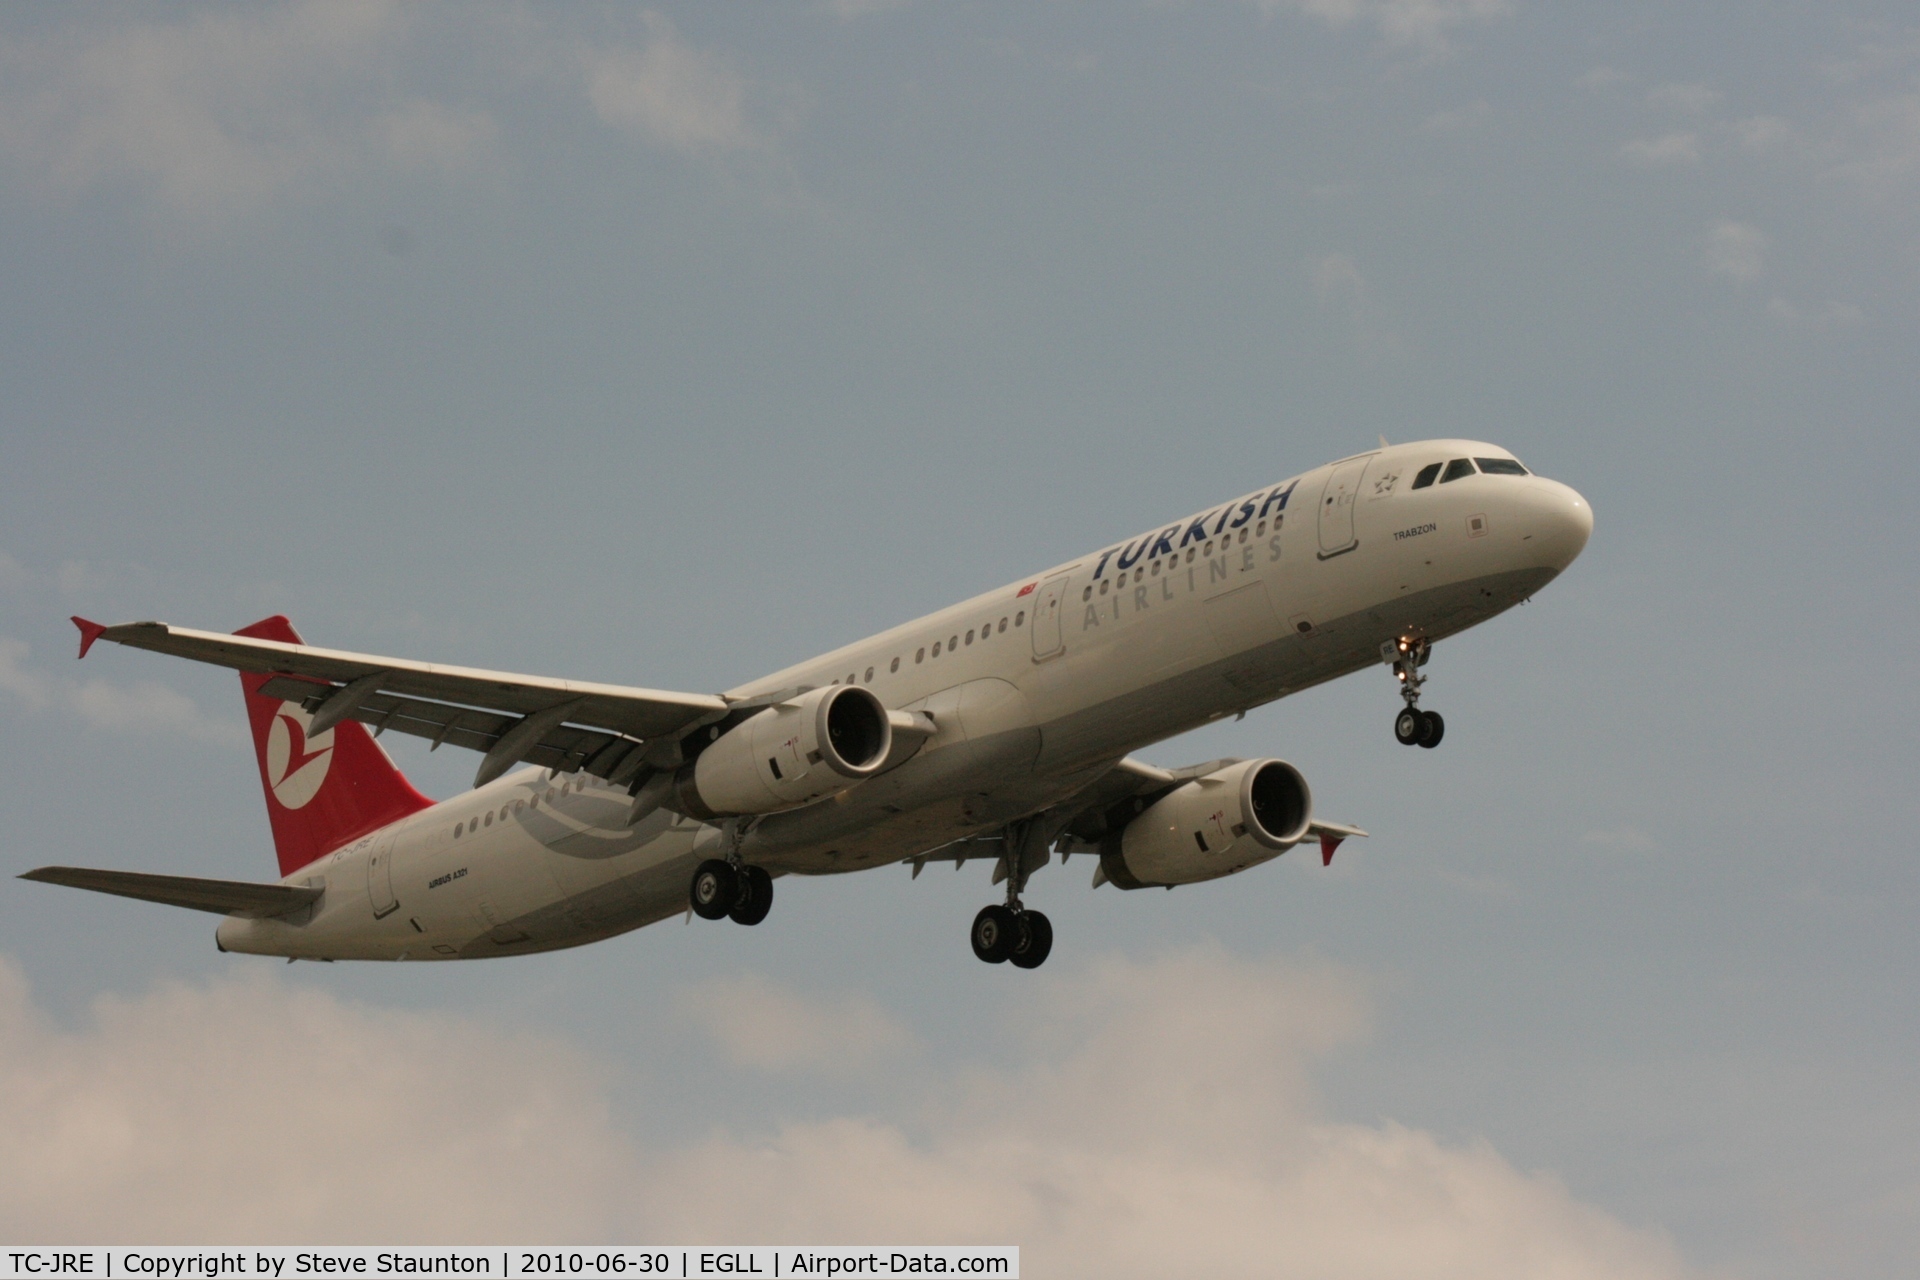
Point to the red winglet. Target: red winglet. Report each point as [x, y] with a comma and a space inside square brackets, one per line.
[1328, 843]
[89, 632]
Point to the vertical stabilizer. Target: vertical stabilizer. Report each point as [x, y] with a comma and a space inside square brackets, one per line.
[322, 791]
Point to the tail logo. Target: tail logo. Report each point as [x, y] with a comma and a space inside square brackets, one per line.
[296, 764]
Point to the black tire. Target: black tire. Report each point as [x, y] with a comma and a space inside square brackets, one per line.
[1410, 726]
[714, 890]
[1039, 941]
[756, 896]
[1436, 730]
[995, 934]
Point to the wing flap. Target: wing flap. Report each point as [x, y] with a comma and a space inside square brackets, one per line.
[565, 747]
[223, 897]
[634, 712]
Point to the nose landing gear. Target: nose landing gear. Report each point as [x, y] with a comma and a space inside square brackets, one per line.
[1413, 727]
[1011, 932]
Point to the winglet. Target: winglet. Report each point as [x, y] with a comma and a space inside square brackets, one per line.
[1328, 843]
[89, 632]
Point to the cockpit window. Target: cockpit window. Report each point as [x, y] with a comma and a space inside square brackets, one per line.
[1457, 468]
[1427, 473]
[1500, 467]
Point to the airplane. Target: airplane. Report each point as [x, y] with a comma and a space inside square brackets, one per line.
[1000, 728]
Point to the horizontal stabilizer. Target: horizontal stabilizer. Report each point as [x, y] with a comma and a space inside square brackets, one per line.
[222, 897]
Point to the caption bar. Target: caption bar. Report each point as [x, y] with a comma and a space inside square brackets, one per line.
[767, 1262]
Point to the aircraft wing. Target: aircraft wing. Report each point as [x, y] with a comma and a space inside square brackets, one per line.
[223, 897]
[559, 723]
[1115, 795]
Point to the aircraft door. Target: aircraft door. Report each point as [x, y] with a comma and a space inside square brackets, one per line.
[1336, 506]
[380, 875]
[1048, 641]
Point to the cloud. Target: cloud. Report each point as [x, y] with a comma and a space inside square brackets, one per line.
[1162, 1121]
[1830, 315]
[1736, 250]
[1882, 148]
[1768, 135]
[671, 93]
[1423, 23]
[1454, 121]
[1690, 99]
[144, 708]
[1340, 287]
[212, 114]
[762, 1025]
[1627, 839]
[250, 1109]
[847, 10]
[224, 113]
[1668, 149]
[424, 134]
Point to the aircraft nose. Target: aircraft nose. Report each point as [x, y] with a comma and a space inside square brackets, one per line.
[1562, 522]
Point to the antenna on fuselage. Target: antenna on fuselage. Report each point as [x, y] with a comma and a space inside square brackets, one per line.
[1383, 442]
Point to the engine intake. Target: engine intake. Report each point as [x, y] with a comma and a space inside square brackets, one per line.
[788, 755]
[1231, 819]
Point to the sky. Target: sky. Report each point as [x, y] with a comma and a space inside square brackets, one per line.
[669, 346]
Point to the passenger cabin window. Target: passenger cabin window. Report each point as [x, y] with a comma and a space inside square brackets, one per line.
[1500, 467]
[894, 667]
[1427, 475]
[919, 654]
[1457, 468]
[1019, 617]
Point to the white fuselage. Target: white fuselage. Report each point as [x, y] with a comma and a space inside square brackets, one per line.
[1036, 688]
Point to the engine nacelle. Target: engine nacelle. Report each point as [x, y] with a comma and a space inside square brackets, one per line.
[787, 755]
[1211, 827]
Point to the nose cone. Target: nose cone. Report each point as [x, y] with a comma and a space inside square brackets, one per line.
[1561, 522]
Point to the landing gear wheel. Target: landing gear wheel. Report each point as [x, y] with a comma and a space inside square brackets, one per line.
[1410, 726]
[996, 932]
[715, 889]
[1436, 728]
[756, 896]
[1039, 941]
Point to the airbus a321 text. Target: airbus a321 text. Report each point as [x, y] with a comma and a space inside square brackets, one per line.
[999, 728]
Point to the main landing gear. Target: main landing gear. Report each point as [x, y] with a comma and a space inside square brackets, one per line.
[1011, 932]
[1413, 727]
[722, 889]
[729, 887]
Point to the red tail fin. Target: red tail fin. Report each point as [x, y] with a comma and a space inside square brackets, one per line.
[324, 791]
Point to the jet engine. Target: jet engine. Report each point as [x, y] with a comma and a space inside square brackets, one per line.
[1211, 827]
[787, 755]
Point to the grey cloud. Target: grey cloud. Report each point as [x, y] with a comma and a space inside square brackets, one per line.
[1165, 1123]
[1666, 150]
[1736, 250]
[1422, 23]
[671, 93]
[145, 708]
